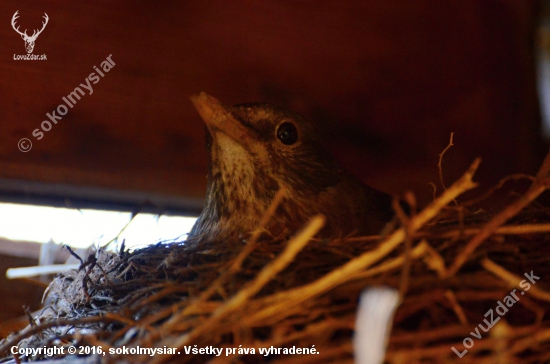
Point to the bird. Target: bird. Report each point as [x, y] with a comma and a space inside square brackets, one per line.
[255, 150]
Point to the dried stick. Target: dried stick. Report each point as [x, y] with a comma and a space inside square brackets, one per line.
[502, 230]
[455, 233]
[235, 266]
[459, 312]
[512, 279]
[405, 272]
[108, 317]
[295, 245]
[440, 163]
[284, 300]
[251, 243]
[539, 336]
[513, 177]
[544, 170]
[387, 265]
[446, 333]
[512, 210]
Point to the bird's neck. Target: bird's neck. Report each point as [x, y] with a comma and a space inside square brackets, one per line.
[238, 192]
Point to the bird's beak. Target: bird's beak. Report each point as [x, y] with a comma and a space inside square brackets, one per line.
[218, 119]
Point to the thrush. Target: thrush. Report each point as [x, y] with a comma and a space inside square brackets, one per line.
[257, 149]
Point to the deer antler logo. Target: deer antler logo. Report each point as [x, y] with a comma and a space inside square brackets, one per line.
[29, 41]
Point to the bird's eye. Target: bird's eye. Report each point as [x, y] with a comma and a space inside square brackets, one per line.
[287, 133]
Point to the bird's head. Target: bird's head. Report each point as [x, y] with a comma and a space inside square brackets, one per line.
[258, 148]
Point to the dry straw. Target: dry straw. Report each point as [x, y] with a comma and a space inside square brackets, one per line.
[456, 265]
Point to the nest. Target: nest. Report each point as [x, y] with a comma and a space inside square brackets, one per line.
[451, 263]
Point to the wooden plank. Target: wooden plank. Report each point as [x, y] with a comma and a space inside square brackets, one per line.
[386, 81]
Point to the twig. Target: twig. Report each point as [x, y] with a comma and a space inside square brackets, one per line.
[390, 264]
[502, 230]
[513, 280]
[76, 256]
[544, 169]
[405, 272]
[455, 233]
[284, 300]
[512, 210]
[456, 306]
[295, 245]
[513, 177]
[440, 163]
[539, 336]
[434, 190]
[109, 317]
[132, 217]
[251, 243]
[235, 266]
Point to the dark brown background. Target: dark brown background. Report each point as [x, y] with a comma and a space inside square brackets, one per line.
[385, 81]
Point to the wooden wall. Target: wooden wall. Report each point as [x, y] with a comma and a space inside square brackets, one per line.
[386, 81]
